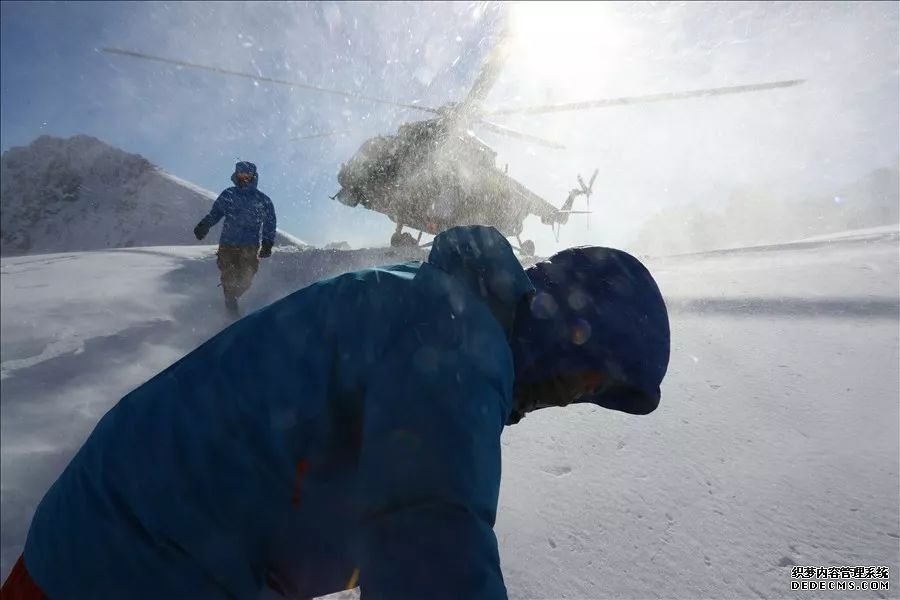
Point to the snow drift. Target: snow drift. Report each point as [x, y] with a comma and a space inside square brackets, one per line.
[777, 441]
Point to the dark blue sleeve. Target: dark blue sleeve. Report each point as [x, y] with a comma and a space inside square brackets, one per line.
[430, 478]
[217, 211]
[269, 221]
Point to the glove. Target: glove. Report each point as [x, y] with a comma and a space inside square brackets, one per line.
[201, 230]
[266, 250]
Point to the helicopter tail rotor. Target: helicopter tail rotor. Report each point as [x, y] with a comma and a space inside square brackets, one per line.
[587, 190]
[562, 215]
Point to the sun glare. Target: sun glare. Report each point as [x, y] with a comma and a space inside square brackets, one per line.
[553, 38]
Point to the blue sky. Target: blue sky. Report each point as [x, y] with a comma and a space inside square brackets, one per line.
[837, 127]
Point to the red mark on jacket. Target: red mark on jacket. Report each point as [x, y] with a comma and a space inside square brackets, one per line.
[19, 585]
[302, 467]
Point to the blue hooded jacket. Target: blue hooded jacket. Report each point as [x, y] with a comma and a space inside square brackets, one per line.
[346, 434]
[246, 211]
[597, 309]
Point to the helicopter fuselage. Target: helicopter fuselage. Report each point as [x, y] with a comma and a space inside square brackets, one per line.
[433, 175]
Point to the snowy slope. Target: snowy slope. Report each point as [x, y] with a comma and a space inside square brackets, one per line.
[777, 441]
[76, 194]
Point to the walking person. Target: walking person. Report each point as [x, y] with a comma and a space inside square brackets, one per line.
[247, 235]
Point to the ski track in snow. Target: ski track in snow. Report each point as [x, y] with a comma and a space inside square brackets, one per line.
[777, 442]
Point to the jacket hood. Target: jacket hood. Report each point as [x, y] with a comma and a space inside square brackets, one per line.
[596, 309]
[245, 167]
[482, 258]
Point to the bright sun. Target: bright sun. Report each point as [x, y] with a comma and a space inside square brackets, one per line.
[549, 36]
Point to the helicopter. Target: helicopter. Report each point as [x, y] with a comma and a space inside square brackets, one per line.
[437, 173]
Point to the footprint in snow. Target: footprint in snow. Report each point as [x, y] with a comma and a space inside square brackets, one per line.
[558, 470]
[786, 561]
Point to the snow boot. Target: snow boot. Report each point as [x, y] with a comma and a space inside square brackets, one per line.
[231, 307]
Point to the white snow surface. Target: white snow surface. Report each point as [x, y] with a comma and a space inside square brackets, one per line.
[777, 441]
[76, 194]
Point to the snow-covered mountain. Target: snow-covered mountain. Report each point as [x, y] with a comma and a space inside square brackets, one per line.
[77, 194]
[776, 442]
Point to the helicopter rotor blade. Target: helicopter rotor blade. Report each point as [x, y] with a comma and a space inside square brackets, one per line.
[322, 134]
[489, 73]
[519, 135]
[293, 84]
[721, 91]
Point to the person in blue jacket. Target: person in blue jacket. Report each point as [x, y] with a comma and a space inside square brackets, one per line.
[249, 216]
[359, 444]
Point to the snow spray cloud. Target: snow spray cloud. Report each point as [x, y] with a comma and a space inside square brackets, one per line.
[654, 160]
[698, 155]
[413, 53]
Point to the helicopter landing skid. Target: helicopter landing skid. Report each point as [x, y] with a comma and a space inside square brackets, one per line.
[526, 248]
[404, 239]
